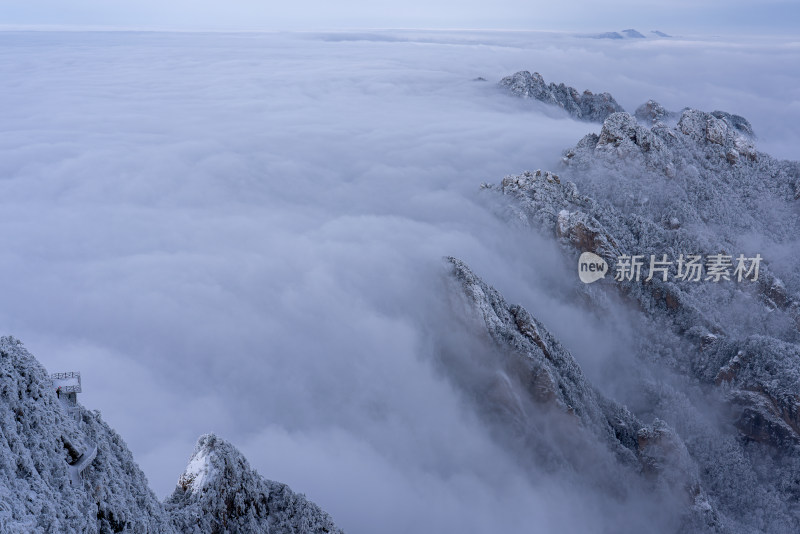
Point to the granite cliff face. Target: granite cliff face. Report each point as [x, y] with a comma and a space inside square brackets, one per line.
[536, 399]
[697, 187]
[40, 442]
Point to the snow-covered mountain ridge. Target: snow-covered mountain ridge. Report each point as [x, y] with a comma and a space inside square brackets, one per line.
[597, 107]
[40, 442]
[688, 183]
[586, 106]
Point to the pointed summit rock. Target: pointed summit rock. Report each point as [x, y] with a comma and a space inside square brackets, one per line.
[219, 492]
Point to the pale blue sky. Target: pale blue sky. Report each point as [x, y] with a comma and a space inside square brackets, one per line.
[779, 16]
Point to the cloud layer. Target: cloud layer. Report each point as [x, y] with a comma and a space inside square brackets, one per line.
[242, 233]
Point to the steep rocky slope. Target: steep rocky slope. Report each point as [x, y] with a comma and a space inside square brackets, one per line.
[40, 441]
[538, 401]
[696, 187]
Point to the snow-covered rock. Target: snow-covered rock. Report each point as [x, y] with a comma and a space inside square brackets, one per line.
[220, 492]
[697, 187]
[585, 106]
[652, 112]
[60, 473]
[534, 395]
[40, 441]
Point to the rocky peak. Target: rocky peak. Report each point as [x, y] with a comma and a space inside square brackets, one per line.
[220, 492]
[41, 492]
[585, 106]
[622, 132]
[652, 112]
[694, 187]
[737, 122]
[718, 130]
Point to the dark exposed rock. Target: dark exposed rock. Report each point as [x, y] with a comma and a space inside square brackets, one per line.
[757, 417]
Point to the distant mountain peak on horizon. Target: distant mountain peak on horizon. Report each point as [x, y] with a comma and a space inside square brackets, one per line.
[630, 33]
[633, 34]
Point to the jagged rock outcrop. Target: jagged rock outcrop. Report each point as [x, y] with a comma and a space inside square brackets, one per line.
[698, 187]
[585, 106]
[701, 178]
[738, 122]
[527, 380]
[220, 492]
[625, 138]
[651, 112]
[599, 107]
[39, 441]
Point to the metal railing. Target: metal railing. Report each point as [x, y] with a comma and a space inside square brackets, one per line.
[65, 376]
[70, 374]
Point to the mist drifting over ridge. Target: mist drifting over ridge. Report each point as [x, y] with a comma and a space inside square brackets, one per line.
[245, 229]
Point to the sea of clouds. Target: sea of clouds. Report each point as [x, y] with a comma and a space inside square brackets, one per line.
[242, 233]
